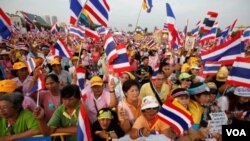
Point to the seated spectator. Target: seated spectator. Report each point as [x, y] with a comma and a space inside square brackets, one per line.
[65, 118]
[106, 127]
[141, 127]
[99, 97]
[15, 122]
[9, 86]
[129, 109]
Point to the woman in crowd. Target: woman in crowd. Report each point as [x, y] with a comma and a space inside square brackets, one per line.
[199, 97]
[15, 122]
[5, 64]
[106, 127]
[239, 106]
[184, 81]
[141, 127]
[129, 107]
[65, 117]
[50, 98]
[23, 79]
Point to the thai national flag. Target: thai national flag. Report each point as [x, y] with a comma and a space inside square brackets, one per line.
[246, 35]
[151, 43]
[81, 76]
[175, 116]
[171, 26]
[90, 33]
[98, 11]
[147, 5]
[40, 83]
[121, 63]
[75, 10]
[61, 49]
[209, 21]
[77, 31]
[109, 47]
[211, 68]
[27, 19]
[195, 32]
[102, 30]
[155, 70]
[225, 53]
[210, 35]
[83, 127]
[5, 25]
[239, 74]
[54, 29]
[165, 27]
[31, 64]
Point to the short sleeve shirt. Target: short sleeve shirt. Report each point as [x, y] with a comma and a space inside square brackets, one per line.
[24, 122]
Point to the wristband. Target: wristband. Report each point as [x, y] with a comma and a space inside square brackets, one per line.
[140, 134]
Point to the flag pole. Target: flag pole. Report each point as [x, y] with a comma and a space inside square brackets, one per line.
[138, 18]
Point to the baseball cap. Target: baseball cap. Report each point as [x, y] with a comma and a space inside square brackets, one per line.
[19, 65]
[149, 102]
[54, 62]
[7, 86]
[198, 88]
[242, 91]
[96, 81]
[222, 74]
[184, 75]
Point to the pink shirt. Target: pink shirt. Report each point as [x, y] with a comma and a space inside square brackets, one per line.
[24, 84]
[49, 103]
[102, 102]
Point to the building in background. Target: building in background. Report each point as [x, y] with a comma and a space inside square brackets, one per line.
[54, 19]
[47, 19]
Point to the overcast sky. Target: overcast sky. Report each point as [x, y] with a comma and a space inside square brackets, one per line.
[124, 12]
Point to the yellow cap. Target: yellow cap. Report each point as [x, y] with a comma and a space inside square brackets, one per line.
[96, 81]
[222, 74]
[185, 67]
[131, 76]
[104, 114]
[19, 65]
[7, 86]
[54, 62]
[74, 58]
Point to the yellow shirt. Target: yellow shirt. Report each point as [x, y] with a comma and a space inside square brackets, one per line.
[147, 91]
[141, 122]
[196, 110]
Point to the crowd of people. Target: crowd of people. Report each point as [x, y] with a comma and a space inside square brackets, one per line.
[119, 106]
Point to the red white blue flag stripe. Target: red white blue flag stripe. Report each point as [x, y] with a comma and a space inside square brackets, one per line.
[77, 31]
[239, 74]
[109, 47]
[174, 116]
[211, 67]
[209, 21]
[225, 53]
[61, 49]
[98, 11]
[83, 127]
[31, 64]
[75, 10]
[121, 63]
[5, 25]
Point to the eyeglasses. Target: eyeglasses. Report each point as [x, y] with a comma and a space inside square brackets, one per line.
[186, 80]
